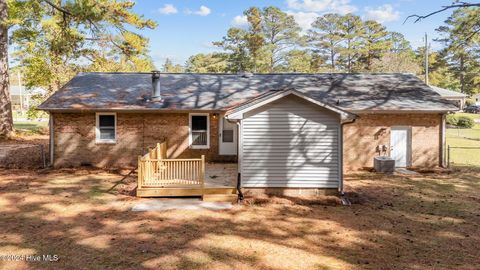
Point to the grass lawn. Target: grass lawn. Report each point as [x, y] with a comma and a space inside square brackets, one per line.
[424, 222]
[465, 138]
[31, 127]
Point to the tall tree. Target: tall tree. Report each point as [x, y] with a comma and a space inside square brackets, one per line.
[207, 63]
[280, 33]
[398, 43]
[6, 120]
[399, 58]
[236, 46]
[298, 61]
[254, 37]
[376, 43]
[56, 39]
[326, 38]
[170, 67]
[352, 34]
[462, 47]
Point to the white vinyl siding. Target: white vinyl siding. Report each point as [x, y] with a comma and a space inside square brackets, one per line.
[291, 143]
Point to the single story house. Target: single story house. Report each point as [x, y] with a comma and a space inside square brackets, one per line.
[22, 98]
[455, 97]
[284, 130]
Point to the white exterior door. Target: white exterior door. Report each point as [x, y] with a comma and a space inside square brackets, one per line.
[227, 137]
[400, 146]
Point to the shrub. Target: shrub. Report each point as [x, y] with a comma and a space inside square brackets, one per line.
[465, 122]
[470, 101]
[452, 119]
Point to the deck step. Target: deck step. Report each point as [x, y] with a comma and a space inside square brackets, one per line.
[220, 198]
[220, 190]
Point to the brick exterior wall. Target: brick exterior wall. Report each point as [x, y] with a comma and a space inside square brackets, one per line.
[75, 139]
[362, 137]
[74, 136]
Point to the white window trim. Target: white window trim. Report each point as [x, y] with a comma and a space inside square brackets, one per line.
[190, 139]
[97, 129]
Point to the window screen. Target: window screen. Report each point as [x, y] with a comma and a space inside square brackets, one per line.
[199, 130]
[106, 127]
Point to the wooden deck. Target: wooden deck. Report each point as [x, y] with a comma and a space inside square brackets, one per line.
[159, 176]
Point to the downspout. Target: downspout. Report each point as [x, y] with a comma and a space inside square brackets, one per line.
[443, 141]
[239, 160]
[52, 139]
[340, 187]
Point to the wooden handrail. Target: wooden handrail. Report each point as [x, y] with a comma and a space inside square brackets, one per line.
[175, 159]
[155, 170]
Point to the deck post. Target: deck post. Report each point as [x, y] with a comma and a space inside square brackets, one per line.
[139, 172]
[202, 175]
[163, 150]
[448, 153]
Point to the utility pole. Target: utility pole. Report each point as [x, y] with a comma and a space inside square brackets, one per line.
[426, 59]
[19, 77]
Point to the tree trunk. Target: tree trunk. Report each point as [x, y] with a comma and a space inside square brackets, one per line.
[462, 75]
[6, 120]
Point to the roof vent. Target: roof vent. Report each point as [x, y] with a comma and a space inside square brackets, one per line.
[245, 74]
[156, 94]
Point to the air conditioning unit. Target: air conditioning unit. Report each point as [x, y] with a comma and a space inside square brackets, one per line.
[384, 164]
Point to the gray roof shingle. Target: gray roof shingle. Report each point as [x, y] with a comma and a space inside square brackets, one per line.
[447, 93]
[351, 92]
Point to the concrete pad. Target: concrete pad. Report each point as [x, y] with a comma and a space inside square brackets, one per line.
[181, 204]
[403, 171]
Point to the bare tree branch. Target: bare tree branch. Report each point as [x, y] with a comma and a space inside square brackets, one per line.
[53, 5]
[444, 8]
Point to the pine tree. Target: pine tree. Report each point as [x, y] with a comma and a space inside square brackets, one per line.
[6, 120]
[375, 44]
[236, 46]
[351, 32]
[326, 38]
[461, 39]
[254, 37]
[280, 32]
[56, 39]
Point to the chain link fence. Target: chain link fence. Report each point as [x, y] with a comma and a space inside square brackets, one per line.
[463, 147]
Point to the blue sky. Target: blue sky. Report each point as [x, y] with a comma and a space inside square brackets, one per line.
[188, 27]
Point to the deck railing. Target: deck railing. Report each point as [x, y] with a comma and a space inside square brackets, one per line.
[156, 171]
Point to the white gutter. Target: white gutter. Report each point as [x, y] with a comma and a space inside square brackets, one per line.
[399, 111]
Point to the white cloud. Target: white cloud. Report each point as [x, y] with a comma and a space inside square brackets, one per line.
[382, 14]
[168, 9]
[338, 6]
[203, 11]
[240, 21]
[304, 19]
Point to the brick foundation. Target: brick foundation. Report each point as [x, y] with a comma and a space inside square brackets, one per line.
[293, 192]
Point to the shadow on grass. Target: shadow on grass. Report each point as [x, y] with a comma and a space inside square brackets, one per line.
[424, 222]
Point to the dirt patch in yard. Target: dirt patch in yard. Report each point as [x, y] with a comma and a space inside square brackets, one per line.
[24, 152]
[426, 222]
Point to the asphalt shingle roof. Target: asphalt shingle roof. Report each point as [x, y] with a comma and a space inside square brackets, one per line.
[351, 92]
[447, 93]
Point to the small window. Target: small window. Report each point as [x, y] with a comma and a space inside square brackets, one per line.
[106, 128]
[199, 131]
[227, 132]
